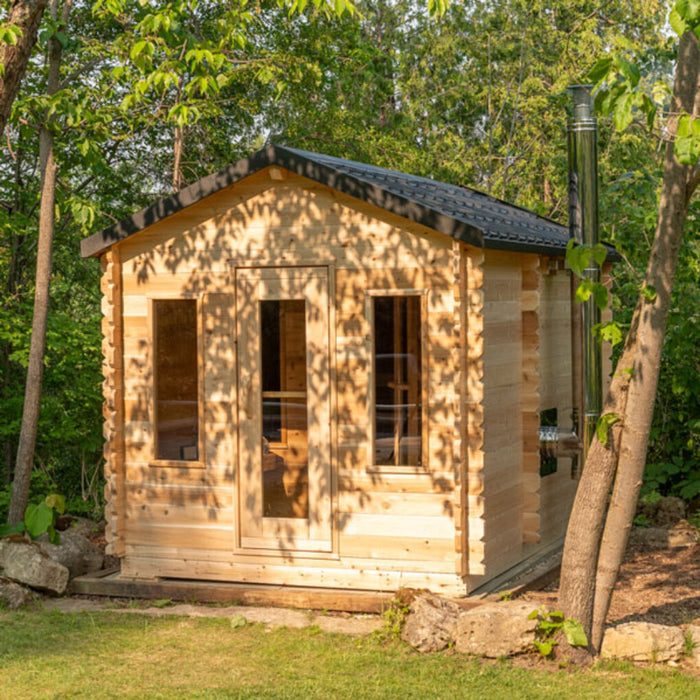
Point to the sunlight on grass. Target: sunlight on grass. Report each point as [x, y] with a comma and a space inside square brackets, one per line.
[105, 655]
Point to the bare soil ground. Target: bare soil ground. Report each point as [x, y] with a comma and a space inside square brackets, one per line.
[655, 585]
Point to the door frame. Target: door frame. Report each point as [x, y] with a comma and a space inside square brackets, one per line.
[282, 536]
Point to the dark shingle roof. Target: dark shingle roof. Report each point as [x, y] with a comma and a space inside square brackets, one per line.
[460, 212]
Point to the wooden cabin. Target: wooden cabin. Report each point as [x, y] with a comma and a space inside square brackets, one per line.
[323, 373]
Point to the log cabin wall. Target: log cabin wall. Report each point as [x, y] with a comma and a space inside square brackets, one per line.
[472, 408]
[530, 301]
[519, 364]
[392, 527]
[113, 407]
[557, 490]
[502, 419]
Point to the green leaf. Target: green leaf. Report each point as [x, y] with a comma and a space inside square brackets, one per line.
[622, 115]
[684, 127]
[628, 69]
[599, 253]
[584, 291]
[605, 422]
[575, 634]
[38, 519]
[649, 293]
[600, 296]
[10, 35]
[600, 70]
[610, 333]
[533, 615]
[678, 24]
[686, 150]
[689, 10]
[57, 502]
[437, 8]
[544, 648]
[137, 49]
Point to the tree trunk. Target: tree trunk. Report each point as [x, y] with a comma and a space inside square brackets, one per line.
[583, 534]
[650, 338]
[35, 368]
[25, 14]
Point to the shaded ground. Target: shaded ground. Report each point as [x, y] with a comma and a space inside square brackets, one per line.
[655, 585]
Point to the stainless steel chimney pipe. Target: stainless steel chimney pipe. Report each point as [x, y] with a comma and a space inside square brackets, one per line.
[583, 226]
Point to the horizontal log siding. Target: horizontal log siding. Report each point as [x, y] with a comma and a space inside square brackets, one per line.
[502, 477]
[391, 529]
[556, 490]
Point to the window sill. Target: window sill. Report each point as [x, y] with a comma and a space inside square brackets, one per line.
[177, 463]
[396, 469]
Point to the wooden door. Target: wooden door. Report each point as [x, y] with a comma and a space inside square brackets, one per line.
[284, 408]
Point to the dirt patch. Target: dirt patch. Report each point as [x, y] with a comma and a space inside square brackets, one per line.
[654, 585]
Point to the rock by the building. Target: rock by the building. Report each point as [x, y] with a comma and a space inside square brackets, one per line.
[496, 629]
[682, 534]
[431, 623]
[654, 537]
[643, 641]
[74, 551]
[84, 526]
[12, 595]
[25, 563]
[665, 511]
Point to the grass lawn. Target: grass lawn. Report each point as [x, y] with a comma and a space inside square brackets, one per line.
[105, 655]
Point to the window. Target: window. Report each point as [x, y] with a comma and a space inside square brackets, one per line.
[285, 444]
[176, 380]
[397, 381]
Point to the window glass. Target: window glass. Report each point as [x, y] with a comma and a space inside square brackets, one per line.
[285, 449]
[177, 384]
[397, 381]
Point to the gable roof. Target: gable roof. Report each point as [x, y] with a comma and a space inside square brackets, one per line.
[460, 212]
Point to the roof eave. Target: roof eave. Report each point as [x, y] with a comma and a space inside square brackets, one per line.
[102, 240]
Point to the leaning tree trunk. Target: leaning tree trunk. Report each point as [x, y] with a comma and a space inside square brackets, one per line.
[585, 528]
[25, 15]
[650, 338]
[35, 367]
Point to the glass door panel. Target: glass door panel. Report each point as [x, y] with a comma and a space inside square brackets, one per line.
[285, 448]
[283, 408]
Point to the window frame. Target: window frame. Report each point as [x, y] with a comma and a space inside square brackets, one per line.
[155, 461]
[370, 296]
